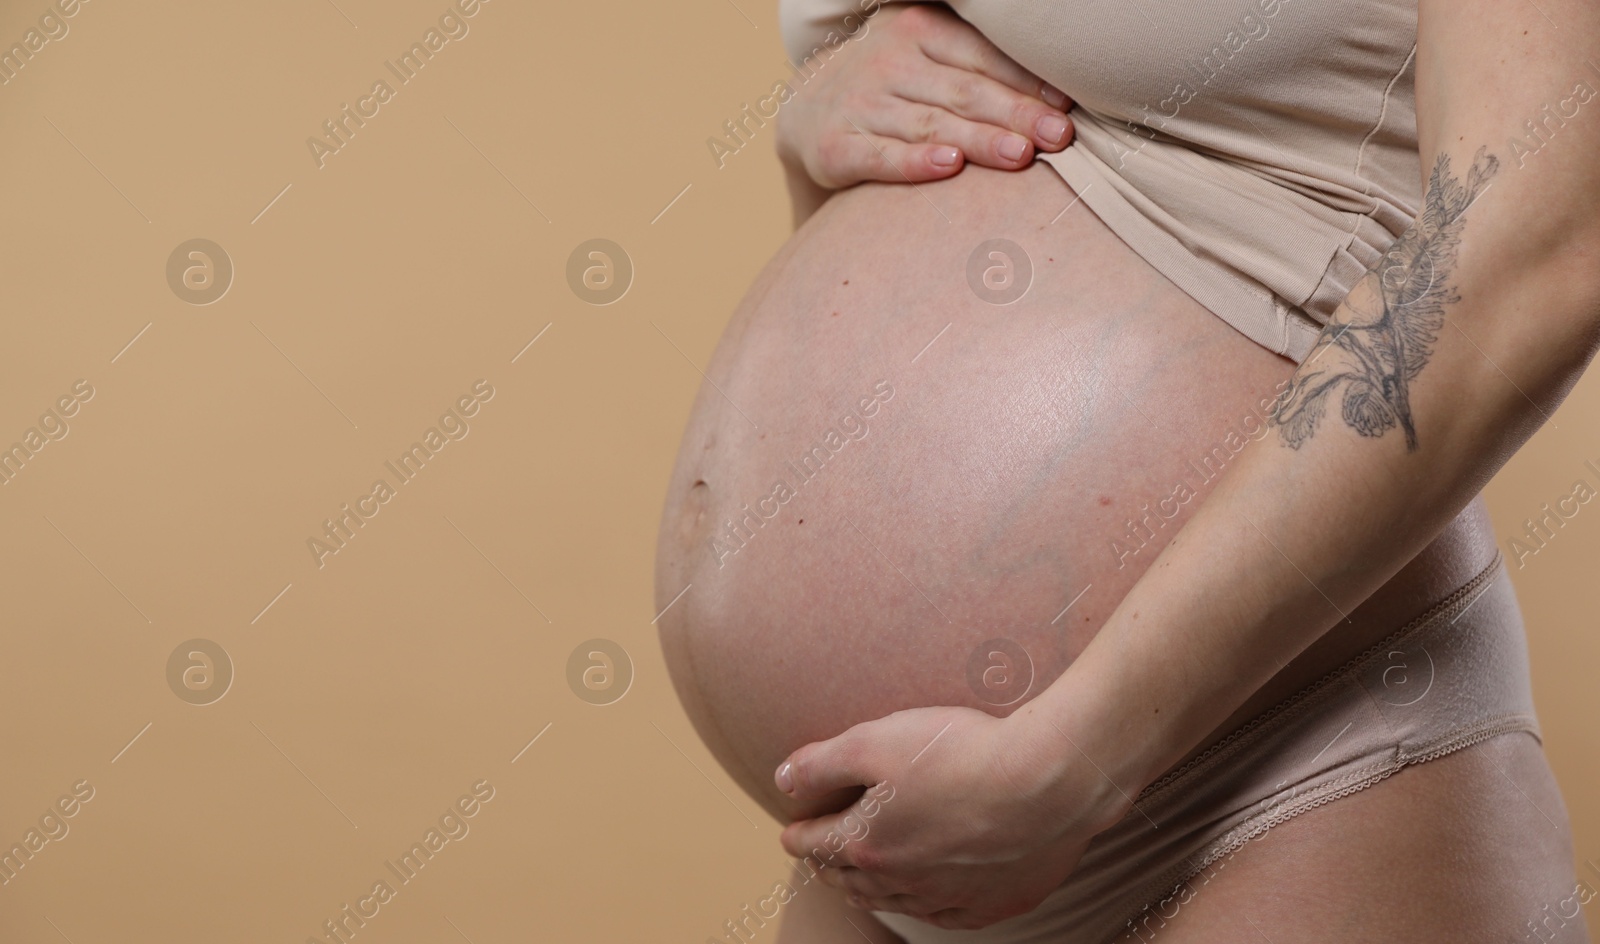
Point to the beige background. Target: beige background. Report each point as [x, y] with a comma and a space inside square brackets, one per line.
[367, 297]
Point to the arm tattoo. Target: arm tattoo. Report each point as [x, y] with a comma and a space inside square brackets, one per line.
[1373, 356]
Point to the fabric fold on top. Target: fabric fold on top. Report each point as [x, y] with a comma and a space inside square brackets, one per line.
[1262, 154]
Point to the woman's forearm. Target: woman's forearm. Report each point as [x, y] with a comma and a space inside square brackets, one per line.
[1434, 371]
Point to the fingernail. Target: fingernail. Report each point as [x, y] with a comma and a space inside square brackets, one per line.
[1053, 96]
[945, 156]
[785, 778]
[1053, 129]
[1012, 147]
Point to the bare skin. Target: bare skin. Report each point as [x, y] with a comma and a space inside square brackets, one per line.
[983, 499]
[1457, 849]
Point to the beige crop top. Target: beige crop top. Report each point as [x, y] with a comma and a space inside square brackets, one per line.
[1261, 154]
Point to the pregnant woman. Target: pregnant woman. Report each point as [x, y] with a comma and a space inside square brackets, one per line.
[1114, 516]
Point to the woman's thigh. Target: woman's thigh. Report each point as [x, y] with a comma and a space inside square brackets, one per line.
[1470, 847]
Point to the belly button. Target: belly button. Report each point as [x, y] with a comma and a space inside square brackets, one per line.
[691, 517]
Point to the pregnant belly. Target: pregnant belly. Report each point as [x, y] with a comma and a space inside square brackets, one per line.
[894, 493]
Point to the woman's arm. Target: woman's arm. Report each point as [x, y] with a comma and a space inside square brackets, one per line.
[1435, 370]
[1439, 365]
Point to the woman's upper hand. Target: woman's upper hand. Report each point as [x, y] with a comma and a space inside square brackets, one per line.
[913, 98]
[971, 819]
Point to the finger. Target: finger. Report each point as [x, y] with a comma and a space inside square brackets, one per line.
[857, 153]
[981, 99]
[954, 919]
[822, 767]
[864, 884]
[836, 841]
[1054, 97]
[946, 38]
[823, 842]
[897, 904]
[981, 143]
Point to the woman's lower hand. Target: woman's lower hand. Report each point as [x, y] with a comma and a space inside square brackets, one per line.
[972, 818]
[912, 99]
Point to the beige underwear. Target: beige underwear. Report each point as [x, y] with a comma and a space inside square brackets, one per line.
[1454, 676]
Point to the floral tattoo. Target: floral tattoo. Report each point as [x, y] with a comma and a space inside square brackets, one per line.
[1373, 356]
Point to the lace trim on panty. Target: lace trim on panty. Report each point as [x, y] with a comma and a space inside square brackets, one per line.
[1462, 593]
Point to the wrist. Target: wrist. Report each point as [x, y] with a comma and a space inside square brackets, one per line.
[1086, 785]
[1118, 716]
